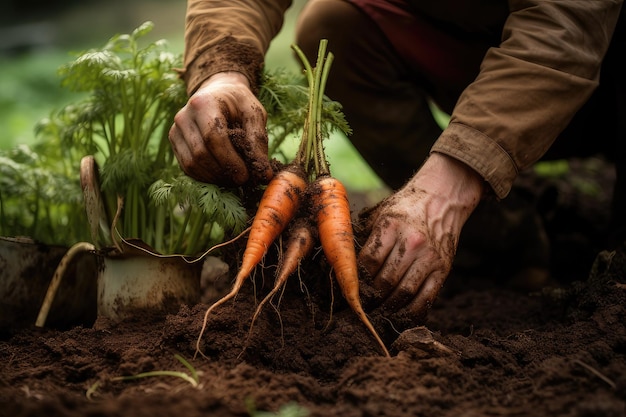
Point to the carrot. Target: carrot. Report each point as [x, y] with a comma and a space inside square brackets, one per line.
[302, 238]
[334, 225]
[278, 205]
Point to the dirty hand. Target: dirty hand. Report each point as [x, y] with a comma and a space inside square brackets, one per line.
[219, 136]
[415, 232]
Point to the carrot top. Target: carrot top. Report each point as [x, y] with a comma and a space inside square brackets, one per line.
[321, 114]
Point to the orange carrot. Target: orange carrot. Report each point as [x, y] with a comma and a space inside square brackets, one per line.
[330, 202]
[299, 244]
[277, 207]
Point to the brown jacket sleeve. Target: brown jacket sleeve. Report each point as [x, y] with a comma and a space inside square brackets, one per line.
[228, 35]
[530, 86]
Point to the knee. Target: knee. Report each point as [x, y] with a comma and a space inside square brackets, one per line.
[325, 19]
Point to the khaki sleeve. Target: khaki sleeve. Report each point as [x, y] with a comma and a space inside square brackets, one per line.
[228, 35]
[530, 86]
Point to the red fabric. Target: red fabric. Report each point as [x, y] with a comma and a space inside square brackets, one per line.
[439, 54]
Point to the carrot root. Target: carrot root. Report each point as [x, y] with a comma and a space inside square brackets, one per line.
[337, 238]
[233, 292]
[278, 206]
[299, 245]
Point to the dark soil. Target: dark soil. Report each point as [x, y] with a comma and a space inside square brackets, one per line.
[488, 348]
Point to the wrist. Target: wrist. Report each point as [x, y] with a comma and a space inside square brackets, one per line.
[452, 178]
[226, 77]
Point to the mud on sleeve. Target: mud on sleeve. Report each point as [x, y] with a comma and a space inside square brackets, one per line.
[227, 35]
[530, 86]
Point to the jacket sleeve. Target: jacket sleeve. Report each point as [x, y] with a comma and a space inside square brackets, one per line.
[530, 86]
[227, 35]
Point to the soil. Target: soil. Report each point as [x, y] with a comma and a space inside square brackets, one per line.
[489, 347]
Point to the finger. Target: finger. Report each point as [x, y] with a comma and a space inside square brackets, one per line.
[217, 138]
[377, 248]
[180, 148]
[255, 126]
[408, 286]
[425, 298]
[258, 160]
[199, 163]
[182, 151]
[395, 276]
[391, 274]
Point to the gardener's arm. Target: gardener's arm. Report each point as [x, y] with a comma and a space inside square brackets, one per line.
[220, 136]
[528, 90]
[530, 87]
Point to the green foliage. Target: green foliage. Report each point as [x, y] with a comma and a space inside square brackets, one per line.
[127, 95]
[130, 96]
[552, 169]
[38, 196]
[196, 202]
[285, 96]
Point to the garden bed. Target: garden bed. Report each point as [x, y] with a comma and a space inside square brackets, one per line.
[487, 347]
[554, 352]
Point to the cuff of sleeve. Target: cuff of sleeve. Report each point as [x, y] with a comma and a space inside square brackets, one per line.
[481, 153]
[228, 54]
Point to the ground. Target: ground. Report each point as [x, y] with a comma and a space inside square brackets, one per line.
[488, 348]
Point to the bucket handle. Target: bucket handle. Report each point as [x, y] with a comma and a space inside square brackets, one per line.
[77, 248]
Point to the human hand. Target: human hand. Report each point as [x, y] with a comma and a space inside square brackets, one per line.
[220, 136]
[415, 233]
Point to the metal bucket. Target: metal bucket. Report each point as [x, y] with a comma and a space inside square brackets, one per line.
[138, 281]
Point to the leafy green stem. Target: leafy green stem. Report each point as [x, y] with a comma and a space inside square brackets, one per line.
[323, 168]
[181, 233]
[304, 150]
[311, 150]
[197, 226]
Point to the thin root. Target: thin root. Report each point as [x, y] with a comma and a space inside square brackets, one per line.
[332, 303]
[183, 257]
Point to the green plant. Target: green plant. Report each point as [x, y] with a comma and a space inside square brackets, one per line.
[191, 377]
[130, 94]
[40, 195]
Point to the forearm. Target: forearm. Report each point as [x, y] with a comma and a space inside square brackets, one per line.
[530, 87]
[223, 35]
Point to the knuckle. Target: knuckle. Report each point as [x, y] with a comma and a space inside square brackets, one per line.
[179, 117]
[368, 256]
[196, 101]
[405, 291]
[198, 150]
[415, 240]
[260, 111]
[387, 280]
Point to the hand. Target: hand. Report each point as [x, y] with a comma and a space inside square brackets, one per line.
[415, 233]
[219, 136]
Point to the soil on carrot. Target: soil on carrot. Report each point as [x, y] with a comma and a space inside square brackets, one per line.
[487, 348]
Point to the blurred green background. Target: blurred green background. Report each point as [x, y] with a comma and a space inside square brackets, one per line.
[37, 37]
